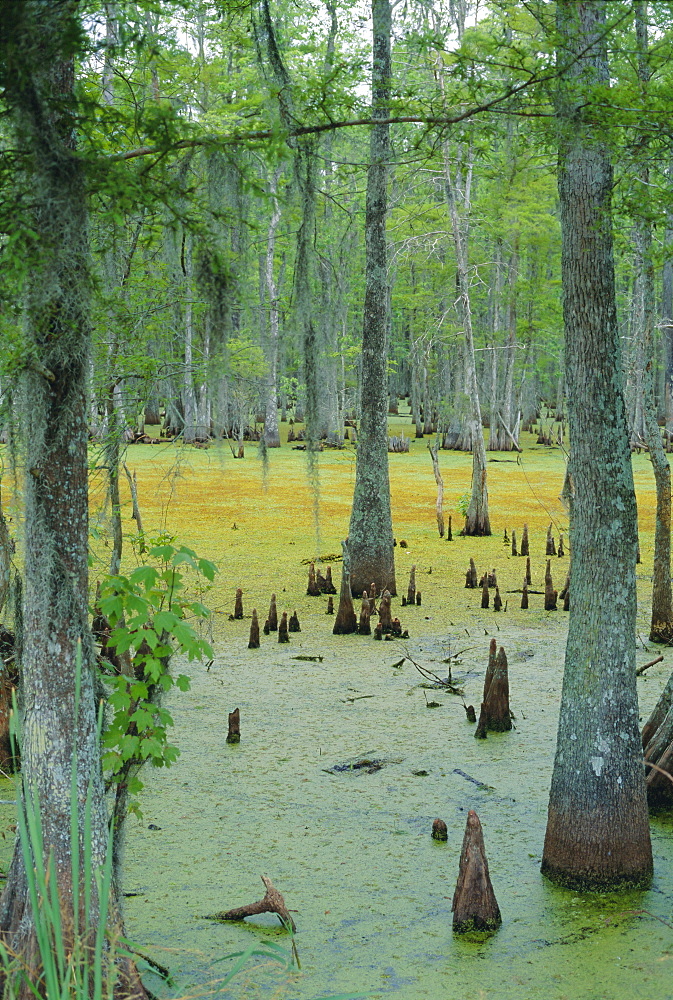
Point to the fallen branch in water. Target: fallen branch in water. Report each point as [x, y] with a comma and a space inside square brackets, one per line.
[445, 683]
[641, 670]
[272, 902]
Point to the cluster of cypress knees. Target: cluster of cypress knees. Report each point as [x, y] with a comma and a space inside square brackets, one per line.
[489, 580]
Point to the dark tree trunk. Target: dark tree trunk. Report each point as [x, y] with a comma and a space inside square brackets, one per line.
[597, 831]
[371, 531]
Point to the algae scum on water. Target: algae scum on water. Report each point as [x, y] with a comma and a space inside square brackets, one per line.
[343, 766]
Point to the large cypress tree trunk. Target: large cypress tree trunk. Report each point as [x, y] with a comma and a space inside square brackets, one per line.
[371, 531]
[597, 830]
[39, 86]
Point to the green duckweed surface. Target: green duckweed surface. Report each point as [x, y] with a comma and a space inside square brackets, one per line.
[351, 851]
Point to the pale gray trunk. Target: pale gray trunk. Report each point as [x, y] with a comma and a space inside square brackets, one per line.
[477, 519]
[661, 627]
[271, 431]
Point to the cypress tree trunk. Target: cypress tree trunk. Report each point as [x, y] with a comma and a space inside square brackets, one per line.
[597, 831]
[271, 431]
[39, 88]
[371, 531]
[661, 627]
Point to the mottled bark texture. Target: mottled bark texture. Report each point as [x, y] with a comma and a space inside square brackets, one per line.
[474, 905]
[597, 830]
[37, 67]
[371, 531]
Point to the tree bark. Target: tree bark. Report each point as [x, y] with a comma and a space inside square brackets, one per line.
[59, 729]
[597, 830]
[661, 626]
[371, 529]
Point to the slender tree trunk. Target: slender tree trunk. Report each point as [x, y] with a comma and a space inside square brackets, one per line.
[371, 530]
[477, 520]
[597, 830]
[271, 431]
[661, 628]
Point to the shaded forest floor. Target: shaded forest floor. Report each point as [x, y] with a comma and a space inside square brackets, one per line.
[351, 851]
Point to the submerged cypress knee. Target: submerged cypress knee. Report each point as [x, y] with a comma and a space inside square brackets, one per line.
[474, 905]
[439, 831]
[282, 629]
[234, 733]
[238, 605]
[253, 642]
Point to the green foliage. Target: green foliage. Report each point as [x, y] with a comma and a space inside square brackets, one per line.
[463, 503]
[148, 613]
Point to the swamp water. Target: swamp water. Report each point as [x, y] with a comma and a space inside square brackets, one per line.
[351, 851]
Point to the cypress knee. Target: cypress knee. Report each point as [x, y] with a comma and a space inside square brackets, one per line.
[234, 733]
[385, 619]
[313, 590]
[497, 600]
[529, 578]
[329, 585]
[524, 542]
[474, 905]
[282, 629]
[293, 625]
[498, 718]
[345, 622]
[253, 642]
[551, 547]
[514, 551]
[321, 582]
[418, 598]
[364, 625]
[273, 615]
[330, 606]
[550, 594]
[524, 596]
[411, 589]
[492, 578]
[238, 605]
[561, 550]
[439, 831]
[480, 732]
[449, 533]
[484, 593]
